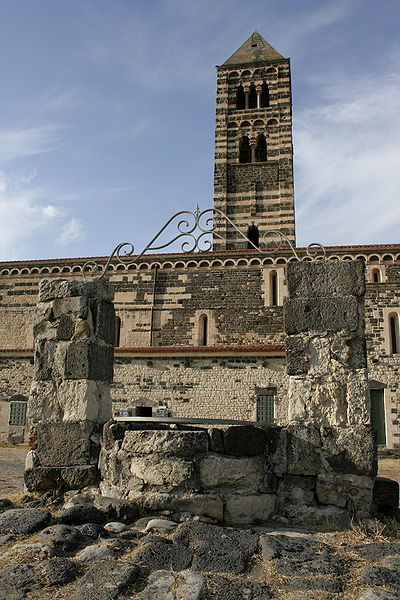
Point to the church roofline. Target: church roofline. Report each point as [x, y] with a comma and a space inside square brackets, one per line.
[255, 49]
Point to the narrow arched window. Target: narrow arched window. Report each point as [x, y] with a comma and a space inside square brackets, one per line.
[261, 148]
[252, 96]
[203, 330]
[240, 98]
[117, 332]
[253, 235]
[376, 276]
[394, 333]
[244, 150]
[273, 288]
[264, 96]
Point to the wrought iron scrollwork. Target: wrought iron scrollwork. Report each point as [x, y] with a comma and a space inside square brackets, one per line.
[193, 232]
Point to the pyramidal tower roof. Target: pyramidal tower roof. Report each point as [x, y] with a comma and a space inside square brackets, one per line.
[255, 49]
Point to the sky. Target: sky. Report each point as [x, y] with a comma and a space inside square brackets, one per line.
[107, 115]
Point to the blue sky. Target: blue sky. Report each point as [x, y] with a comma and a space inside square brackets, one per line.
[107, 116]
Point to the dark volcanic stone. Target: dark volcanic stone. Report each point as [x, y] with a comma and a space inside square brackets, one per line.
[376, 550]
[17, 581]
[62, 536]
[244, 440]
[323, 584]
[283, 546]
[385, 496]
[159, 555]
[59, 571]
[381, 576]
[80, 514]
[91, 530]
[23, 520]
[116, 509]
[104, 581]
[325, 566]
[236, 589]
[374, 594]
[216, 549]
[5, 503]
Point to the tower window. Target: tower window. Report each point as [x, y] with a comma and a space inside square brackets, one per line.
[273, 288]
[376, 276]
[117, 333]
[261, 149]
[203, 330]
[264, 96]
[240, 98]
[244, 150]
[252, 96]
[253, 235]
[394, 333]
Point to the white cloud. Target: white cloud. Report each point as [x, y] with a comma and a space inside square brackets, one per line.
[347, 160]
[71, 232]
[16, 143]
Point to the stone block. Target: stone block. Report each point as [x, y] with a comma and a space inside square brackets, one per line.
[240, 509]
[321, 314]
[216, 439]
[85, 400]
[244, 440]
[345, 491]
[65, 328]
[63, 444]
[349, 450]
[103, 316]
[208, 505]
[89, 360]
[44, 358]
[303, 450]
[170, 472]
[223, 471]
[297, 359]
[43, 403]
[279, 457]
[183, 444]
[50, 289]
[295, 490]
[385, 496]
[42, 479]
[325, 278]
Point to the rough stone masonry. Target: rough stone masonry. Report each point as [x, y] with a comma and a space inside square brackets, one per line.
[70, 395]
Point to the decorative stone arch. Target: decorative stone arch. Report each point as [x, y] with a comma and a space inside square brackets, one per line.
[132, 267]
[55, 270]
[24, 271]
[144, 266]
[347, 257]
[77, 269]
[388, 258]
[66, 270]
[204, 263]
[373, 258]
[120, 267]
[216, 263]
[180, 265]
[204, 329]
[242, 262]
[229, 263]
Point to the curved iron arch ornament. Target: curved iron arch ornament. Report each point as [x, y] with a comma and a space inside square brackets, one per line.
[194, 229]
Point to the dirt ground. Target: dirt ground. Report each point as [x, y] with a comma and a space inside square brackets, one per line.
[12, 460]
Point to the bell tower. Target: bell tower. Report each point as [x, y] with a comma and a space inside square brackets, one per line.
[253, 173]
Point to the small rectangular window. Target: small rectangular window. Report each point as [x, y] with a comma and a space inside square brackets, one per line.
[17, 413]
[266, 406]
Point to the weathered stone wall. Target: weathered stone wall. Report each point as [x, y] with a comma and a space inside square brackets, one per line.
[15, 381]
[241, 474]
[222, 387]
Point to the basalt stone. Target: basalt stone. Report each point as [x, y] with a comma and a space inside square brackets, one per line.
[183, 444]
[158, 555]
[89, 360]
[65, 328]
[328, 565]
[321, 314]
[325, 278]
[59, 571]
[303, 450]
[385, 496]
[76, 478]
[62, 536]
[117, 509]
[216, 439]
[323, 584]
[103, 315]
[349, 450]
[285, 546]
[104, 581]
[374, 594]
[50, 289]
[224, 588]
[82, 513]
[44, 356]
[375, 551]
[23, 520]
[381, 576]
[244, 440]
[297, 361]
[64, 444]
[42, 479]
[18, 581]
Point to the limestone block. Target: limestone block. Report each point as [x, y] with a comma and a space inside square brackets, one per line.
[169, 443]
[295, 489]
[244, 440]
[43, 327]
[223, 471]
[300, 398]
[247, 509]
[358, 401]
[173, 472]
[103, 315]
[63, 444]
[279, 457]
[43, 403]
[50, 289]
[82, 330]
[89, 360]
[345, 490]
[321, 314]
[85, 400]
[303, 450]
[349, 350]
[325, 278]
[208, 505]
[349, 450]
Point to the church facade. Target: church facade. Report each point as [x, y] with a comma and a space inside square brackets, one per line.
[201, 335]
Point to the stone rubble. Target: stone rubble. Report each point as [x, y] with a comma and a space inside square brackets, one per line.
[179, 557]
